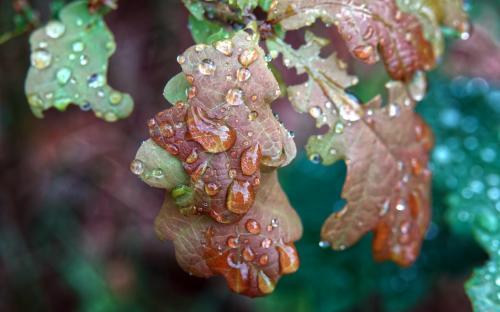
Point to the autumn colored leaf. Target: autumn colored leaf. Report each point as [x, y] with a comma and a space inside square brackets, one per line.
[69, 61]
[436, 13]
[385, 148]
[226, 130]
[251, 254]
[369, 28]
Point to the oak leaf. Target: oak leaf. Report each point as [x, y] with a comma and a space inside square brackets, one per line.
[226, 130]
[385, 148]
[369, 28]
[251, 254]
[69, 62]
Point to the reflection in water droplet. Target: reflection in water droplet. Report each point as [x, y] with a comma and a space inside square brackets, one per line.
[252, 226]
[211, 189]
[225, 47]
[207, 67]
[266, 243]
[339, 127]
[84, 60]
[265, 284]
[363, 52]
[232, 242]
[115, 98]
[250, 159]
[137, 167]
[78, 46]
[324, 244]
[63, 75]
[247, 57]
[157, 173]
[234, 96]
[181, 59]
[41, 58]
[243, 74]
[315, 111]
[55, 29]
[393, 110]
[288, 258]
[240, 198]
[263, 260]
[315, 158]
[96, 81]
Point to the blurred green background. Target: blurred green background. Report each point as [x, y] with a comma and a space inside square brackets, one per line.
[76, 228]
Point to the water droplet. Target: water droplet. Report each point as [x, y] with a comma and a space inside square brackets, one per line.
[55, 29]
[253, 115]
[240, 198]
[393, 110]
[248, 254]
[268, 58]
[232, 242]
[110, 116]
[288, 258]
[363, 52]
[157, 173]
[324, 244]
[250, 159]
[418, 86]
[243, 74]
[213, 135]
[207, 67]
[35, 101]
[234, 97]
[78, 46]
[274, 223]
[200, 47]
[86, 106]
[137, 167]
[63, 75]
[247, 57]
[263, 260]
[315, 158]
[315, 111]
[211, 189]
[41, 58]
[266, 243]
[84, 60]
[265, 284]
[96, 81]
[339, 127]
[347, 112]
[401, 205]
[181, 59]
[115, 98]
[252, 226]
[225, 47]
[192, 157]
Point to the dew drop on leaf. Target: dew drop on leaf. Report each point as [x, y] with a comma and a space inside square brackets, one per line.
[41, 58]
[137, 167]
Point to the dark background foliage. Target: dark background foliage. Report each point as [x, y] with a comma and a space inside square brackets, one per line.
[76, 227]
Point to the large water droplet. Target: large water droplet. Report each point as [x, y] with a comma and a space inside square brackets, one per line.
[78, 46]
[247, 57]
[265, 284]
[252, 226]
[63, 75]
[213, 135]
[288, 258]
[225, 47]
[96, 81]
[41, 58]
[240, 197]
[137, 167]
[55, 29]
[234, 96]
[250, 159]
[207, 67]
[243, 74]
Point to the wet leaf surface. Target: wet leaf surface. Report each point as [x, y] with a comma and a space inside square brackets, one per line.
[369, 28]
[69, 62]
[226, 130]
[251, 254]
[387, 183]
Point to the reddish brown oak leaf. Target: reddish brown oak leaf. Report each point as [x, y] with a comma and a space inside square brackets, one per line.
[369, 28]
[251, 254]
[387, 187]
[226, 131]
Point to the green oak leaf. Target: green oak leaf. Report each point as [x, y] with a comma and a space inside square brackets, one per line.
[175, 89]
[69, 62]
[205, 31]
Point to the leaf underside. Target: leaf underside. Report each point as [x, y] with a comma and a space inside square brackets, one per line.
[369, 28]
[388, 184]
[69, 62]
